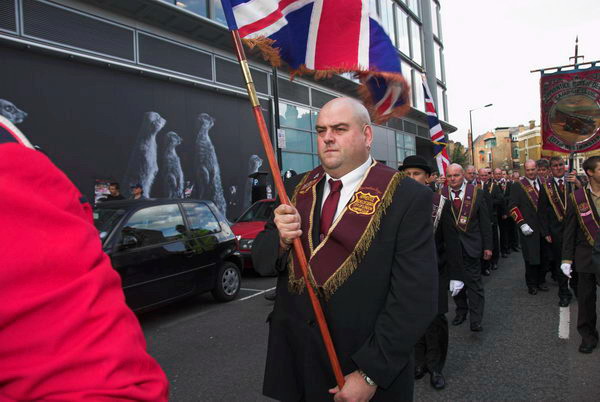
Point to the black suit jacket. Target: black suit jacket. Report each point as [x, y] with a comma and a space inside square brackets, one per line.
[576, 247]
[548, 216]
[531, 244]
[496, 201]
[450, 262]
[375, 317]
[478, 236]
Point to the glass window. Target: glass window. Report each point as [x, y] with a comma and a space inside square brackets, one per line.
[218, 13]
[387, 18]
[415, 37]
[434, 18]
[201, 218]
[402, 27]
[414, 6]
[440, 101]
[155, 225]
[298, 162]
[296, 140]
[260, 211]
[409, 142]
[295, 117]
[194, 6]
[439, 65]
[419, 92]
[399, 140]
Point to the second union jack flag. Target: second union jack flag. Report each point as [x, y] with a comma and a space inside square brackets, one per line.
[435, 131]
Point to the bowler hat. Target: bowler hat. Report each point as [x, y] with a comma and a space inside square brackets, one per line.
[415, 161]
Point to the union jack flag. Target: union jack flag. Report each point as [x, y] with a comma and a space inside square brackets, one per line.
[435, 131]
[324, 37]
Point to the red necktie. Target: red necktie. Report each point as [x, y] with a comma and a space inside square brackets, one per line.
[456, 201]
[330, 206]
[561, 186]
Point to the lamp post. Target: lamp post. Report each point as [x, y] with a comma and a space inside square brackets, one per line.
[471, 131]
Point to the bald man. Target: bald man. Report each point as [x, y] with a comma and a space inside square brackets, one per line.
[367, 232]
[472, 221]
[524, 208]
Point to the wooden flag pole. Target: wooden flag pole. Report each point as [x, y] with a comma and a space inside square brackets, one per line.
[268, 146]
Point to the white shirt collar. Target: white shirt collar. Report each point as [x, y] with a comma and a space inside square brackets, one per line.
[556, 179]
[351, 179]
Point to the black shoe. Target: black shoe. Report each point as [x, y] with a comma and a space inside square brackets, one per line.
[420, 372]
[486, 272]
[476, 327]
[459, 319]
[564, 302]
[437, 380]
[270, 296]
[494, 267]
[585, 348]
[532, 291]
[504, 255]
[543, 287]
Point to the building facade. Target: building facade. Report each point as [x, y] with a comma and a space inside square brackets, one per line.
[98, 80]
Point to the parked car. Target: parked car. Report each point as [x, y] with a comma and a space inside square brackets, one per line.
[168, 249]
[250, 224]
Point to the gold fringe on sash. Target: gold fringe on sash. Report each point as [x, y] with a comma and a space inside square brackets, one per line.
[352, 262]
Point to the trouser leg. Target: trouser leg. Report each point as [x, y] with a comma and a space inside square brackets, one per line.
[474, 289]
[496, 244]
[420, 350]
[532, 275]
[561, 279]
[504, 227]
[437, 343]
[462, 306]
[573, 281]
[586, 316]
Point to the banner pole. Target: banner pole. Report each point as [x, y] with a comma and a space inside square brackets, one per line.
[268, 147]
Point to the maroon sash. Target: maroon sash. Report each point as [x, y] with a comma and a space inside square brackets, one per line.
[558, 205]
[587, 214]
[339, 254]
[438, 207]
[531, 192]
[462, 217]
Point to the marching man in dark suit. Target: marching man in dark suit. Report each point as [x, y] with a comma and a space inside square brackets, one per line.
[471, 219]
[524, 204]
[366, 230]
[553, 205]
[494, 190]
[504, 221]
[432, 348]
[582, 227]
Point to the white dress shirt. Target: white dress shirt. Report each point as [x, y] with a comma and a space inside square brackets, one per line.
[462, 191]
[534, 183]
[350, 182]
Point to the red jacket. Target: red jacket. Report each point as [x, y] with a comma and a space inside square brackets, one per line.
[65, 331]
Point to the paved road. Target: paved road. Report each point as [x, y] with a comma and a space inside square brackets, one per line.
[216, 352]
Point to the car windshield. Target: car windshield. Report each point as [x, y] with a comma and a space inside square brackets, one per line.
[261, 211]
[106, 218]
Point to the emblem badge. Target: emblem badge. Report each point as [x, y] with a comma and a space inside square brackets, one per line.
[364, 203]
[463, 220]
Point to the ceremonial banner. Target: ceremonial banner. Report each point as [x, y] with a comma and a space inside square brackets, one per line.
[570, 104]
[435, 131]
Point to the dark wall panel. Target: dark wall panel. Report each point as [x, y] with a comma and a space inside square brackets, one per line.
[90, 119]
[45, 21]
[8, 19]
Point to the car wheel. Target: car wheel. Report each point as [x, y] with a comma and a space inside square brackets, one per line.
[228, 282]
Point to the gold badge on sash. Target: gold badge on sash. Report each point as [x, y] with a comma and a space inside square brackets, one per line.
[364, 203]
[463, 220]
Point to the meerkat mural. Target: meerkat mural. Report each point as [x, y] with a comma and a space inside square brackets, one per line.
[143, 164]
[11, 112]
[207, 173]
[173, 179]
[254, 163]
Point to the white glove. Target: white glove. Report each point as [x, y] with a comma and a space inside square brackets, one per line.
[456, 286]
[566, 268]
[526, 229]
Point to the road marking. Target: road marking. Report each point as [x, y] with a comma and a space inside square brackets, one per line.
[256, 294]
[252, 290]
[564, 322]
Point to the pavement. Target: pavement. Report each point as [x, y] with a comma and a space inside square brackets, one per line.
[216, 352]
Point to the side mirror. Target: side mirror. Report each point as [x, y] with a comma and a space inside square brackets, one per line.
[128, 241]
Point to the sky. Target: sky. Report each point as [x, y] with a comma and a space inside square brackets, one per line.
[490, 46]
